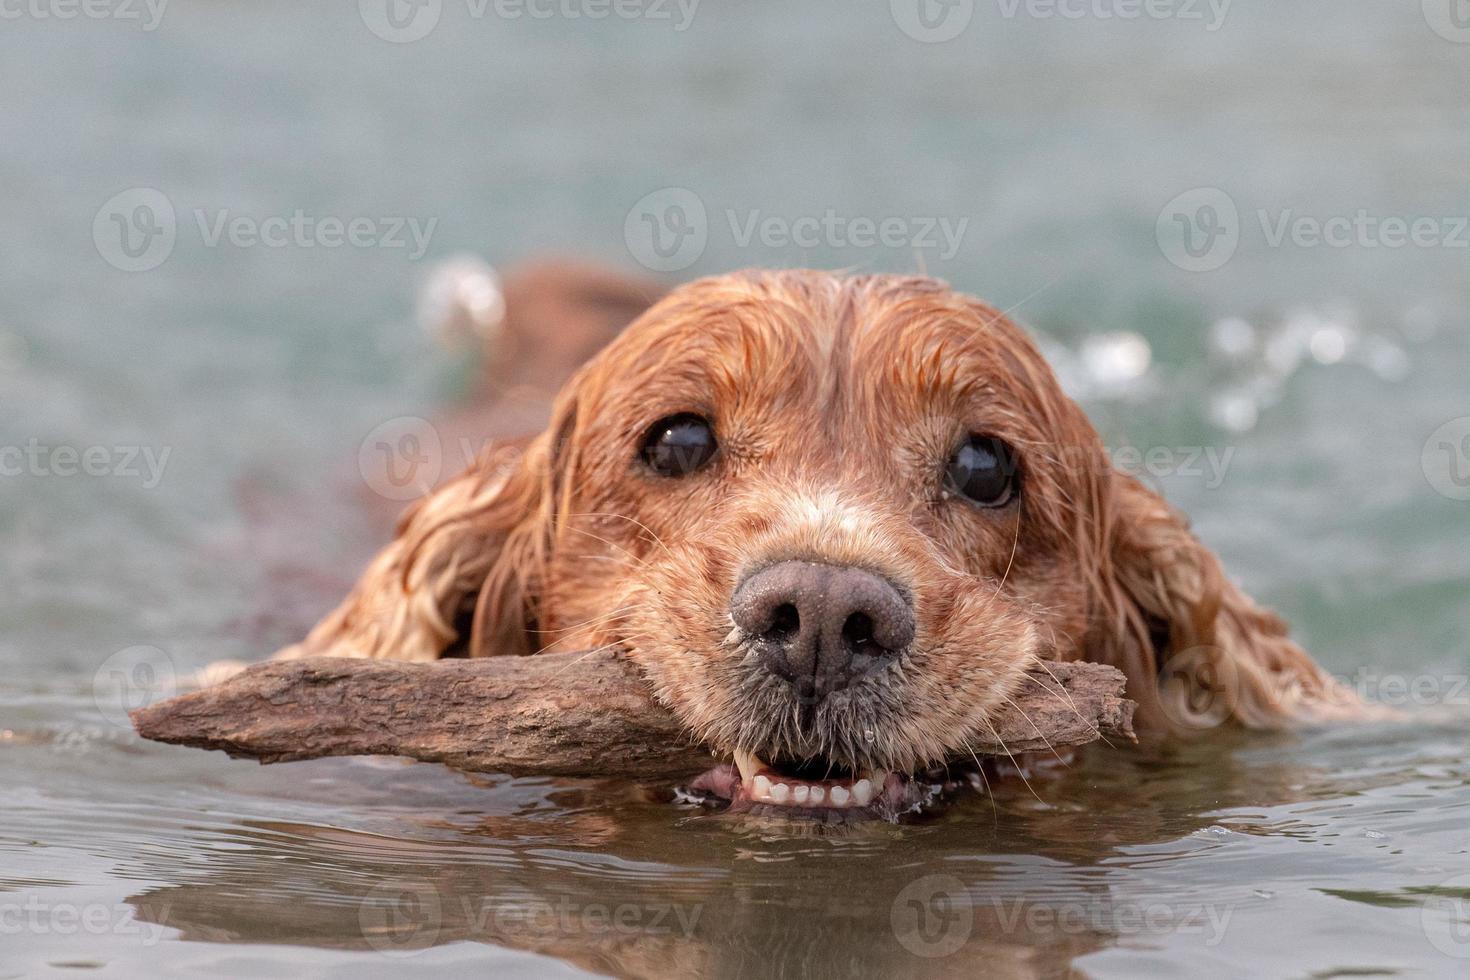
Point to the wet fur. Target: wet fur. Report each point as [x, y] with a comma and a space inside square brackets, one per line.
[836, 401]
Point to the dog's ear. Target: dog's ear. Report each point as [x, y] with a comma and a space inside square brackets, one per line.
[463, 572]
[1197, 651]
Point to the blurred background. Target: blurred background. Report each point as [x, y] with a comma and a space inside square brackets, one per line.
[1239, 229]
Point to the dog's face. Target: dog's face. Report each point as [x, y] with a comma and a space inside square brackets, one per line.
[833, 520]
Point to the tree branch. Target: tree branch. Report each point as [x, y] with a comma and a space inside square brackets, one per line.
[567, 714]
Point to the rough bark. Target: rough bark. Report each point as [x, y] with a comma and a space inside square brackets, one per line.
[548, 715]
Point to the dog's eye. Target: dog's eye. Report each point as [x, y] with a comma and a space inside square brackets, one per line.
[678, 445]
[982, 469]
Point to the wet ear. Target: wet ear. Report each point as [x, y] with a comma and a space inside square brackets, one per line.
[1197, 651]
[462, 573]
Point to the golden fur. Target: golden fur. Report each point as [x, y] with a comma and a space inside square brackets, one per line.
[836, 401]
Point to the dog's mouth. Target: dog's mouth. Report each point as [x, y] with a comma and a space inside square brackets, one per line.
[811, 789]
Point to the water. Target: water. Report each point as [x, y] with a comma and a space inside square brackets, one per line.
[1323, 372]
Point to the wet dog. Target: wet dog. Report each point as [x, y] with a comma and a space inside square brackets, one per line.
[833, 519]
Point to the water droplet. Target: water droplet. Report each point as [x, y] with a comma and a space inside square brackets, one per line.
[1233, 338]
[1234, 411]
[1328, 344]
[1113, 360]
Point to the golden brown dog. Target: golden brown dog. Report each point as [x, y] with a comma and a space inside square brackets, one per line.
[833, 518]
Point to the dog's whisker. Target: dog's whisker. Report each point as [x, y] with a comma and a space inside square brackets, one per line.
[632, 520]
[1019, 771]
[1038, 731]
[594, 619]
[551, 647]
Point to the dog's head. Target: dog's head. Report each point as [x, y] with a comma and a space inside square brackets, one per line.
[835, 519]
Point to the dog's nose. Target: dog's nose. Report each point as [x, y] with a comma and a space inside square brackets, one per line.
[821, 626]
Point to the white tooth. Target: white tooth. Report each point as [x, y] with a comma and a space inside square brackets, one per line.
[780, 792]
[862, 792]
[749, 764]
[839, 796]
[800, 794]
[817, 795]
[762, 788]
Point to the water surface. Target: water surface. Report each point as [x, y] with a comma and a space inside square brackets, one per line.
[252, 375]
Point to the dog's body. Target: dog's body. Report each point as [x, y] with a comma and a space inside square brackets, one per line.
[832, 518]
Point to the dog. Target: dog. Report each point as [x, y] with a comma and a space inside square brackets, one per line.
[833, 519]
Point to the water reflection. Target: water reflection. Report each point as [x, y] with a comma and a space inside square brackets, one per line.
[1024, 882]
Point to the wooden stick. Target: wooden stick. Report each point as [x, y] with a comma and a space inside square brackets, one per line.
[565, 714]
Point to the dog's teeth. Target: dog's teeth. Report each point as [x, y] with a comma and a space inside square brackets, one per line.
[801, 794]
[840, 796]
[862, 792]
[761, 790]
[818, 794]
[749, 764]
[780, 792]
